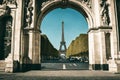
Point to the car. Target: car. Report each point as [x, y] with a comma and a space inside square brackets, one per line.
[73, 59]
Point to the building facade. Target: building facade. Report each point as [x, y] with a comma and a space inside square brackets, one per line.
[20, 35]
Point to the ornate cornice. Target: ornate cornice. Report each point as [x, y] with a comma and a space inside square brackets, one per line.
[64, 2]
[88, 3]
[100, 27]
[5, 10]
[9, 2]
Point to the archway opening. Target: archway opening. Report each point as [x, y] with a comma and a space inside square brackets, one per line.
[75, 36]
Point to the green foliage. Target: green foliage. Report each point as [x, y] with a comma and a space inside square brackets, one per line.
[47, 49]
[79, 46]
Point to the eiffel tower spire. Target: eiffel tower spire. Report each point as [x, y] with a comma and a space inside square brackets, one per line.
[62, 49]
[63, 40]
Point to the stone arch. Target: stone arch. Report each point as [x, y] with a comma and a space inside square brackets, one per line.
[74, 4]
[97, 59]
[81, 6]
[90, 9]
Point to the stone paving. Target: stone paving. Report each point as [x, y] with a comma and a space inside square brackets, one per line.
[60, 75]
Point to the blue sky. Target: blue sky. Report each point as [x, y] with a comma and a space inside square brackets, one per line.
[74, 24]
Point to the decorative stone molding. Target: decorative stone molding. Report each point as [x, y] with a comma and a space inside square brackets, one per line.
[87, 3]
[28, 13]
[8, 3]
[46, 2]
[64, 2]
[5, 11]
[104, 13]
[100, 28]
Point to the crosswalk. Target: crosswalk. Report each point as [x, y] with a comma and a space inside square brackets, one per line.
[71, 65]
[64, 66]
[74, 64]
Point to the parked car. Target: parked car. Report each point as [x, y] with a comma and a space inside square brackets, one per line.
[73, 59]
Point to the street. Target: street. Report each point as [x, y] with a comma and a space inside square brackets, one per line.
[64, 65]
[61, 70]
[60, 75]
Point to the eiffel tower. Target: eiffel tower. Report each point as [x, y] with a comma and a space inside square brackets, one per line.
[62, 49]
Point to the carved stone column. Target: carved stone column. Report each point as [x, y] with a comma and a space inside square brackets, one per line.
[13, 59]
[34, 49]
[114, 62]
[94, 39]
[91, 50]
[105, 47]
[34, 34]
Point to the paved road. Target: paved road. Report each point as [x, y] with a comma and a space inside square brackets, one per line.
[60, 71]
[65, 66]
[60, 75]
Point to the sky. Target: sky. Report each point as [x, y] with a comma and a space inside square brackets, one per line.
[74, 25]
